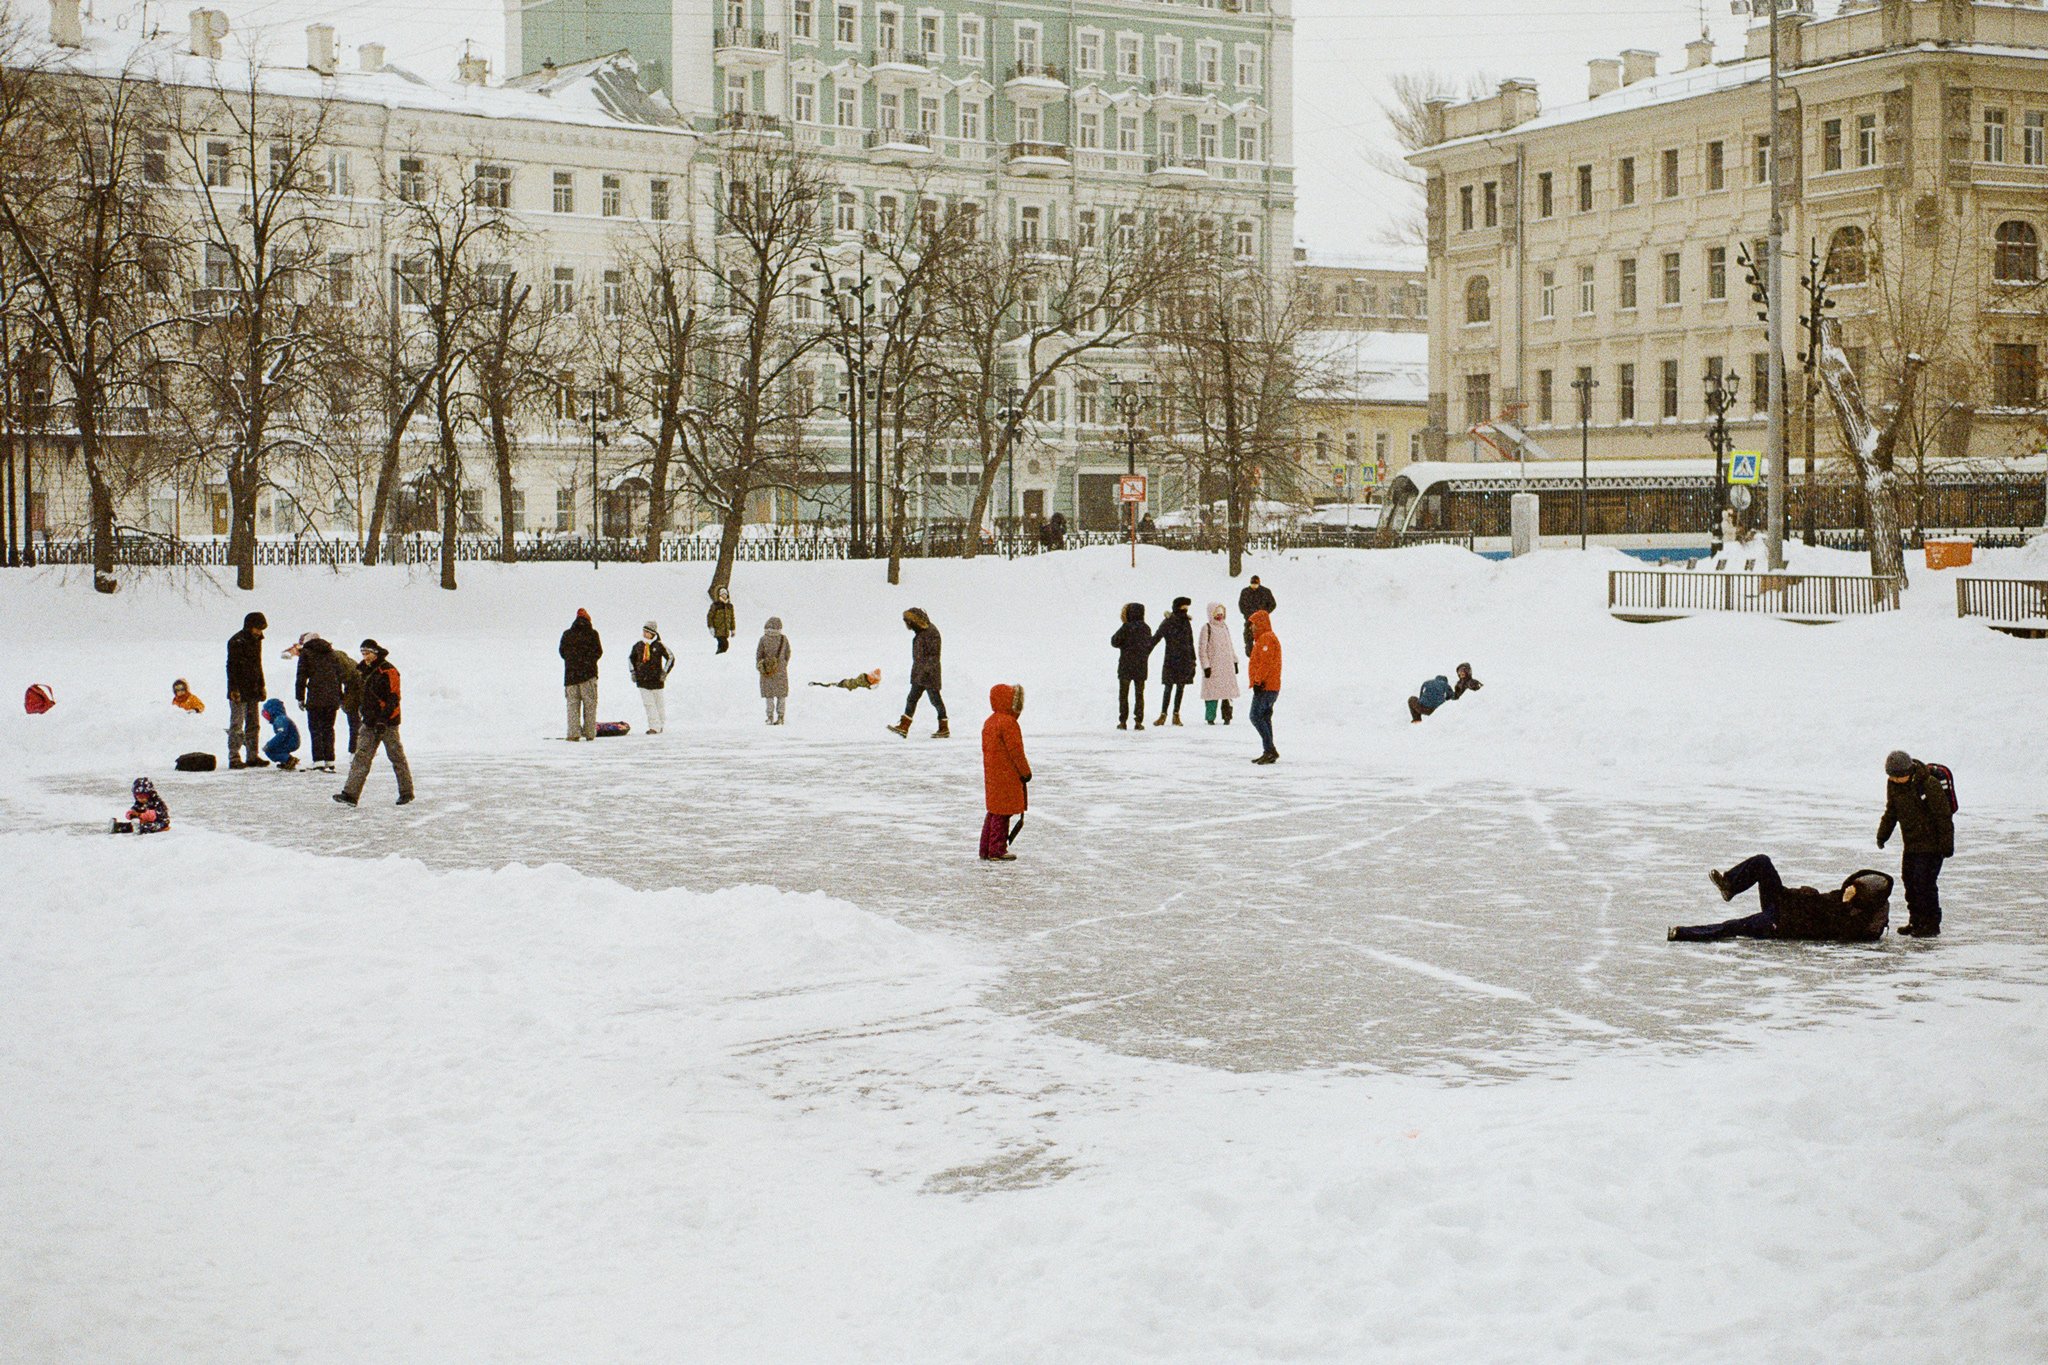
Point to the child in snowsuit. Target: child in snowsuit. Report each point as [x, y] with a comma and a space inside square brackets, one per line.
[1133, 642]
[148, 814]
[1439, 690]
[1216, 652]
[771, 661]
[1177, 669]
[1855, 912]
[720, 619]
[282, 747]
[182, 698]
[1005, 772]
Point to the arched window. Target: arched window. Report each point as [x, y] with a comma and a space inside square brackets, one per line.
[1848, 258]
[1478, 300]
[2018, 256]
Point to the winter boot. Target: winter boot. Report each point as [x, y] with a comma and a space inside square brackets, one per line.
[344, 798]
[1160, 724]
[1176, 718]
[1720, 881]
[901, 729]
[288, 764]
[1138, 724]
[1226, 713]
[236, 765]
[944, 731]
[1125, 725]
[257, 763]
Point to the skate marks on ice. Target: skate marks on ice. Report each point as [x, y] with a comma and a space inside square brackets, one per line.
[1171, 903]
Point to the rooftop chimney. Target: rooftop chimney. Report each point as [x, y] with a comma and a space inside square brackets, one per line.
[1637, 65]
[65, 30]
[370, 56]
[473, 70]
[1518, 101]
[209, 26]
[1699, 52]
[1603, 77]
[320, 48]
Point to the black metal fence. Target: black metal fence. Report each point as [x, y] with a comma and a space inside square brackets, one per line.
[2008, 601]
[1858, 539]
[1652, 594]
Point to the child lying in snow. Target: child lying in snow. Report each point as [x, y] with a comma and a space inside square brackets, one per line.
[182, 698]
[855, 683]
[149, 814]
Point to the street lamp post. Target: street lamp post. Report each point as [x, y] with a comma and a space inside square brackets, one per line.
[597, 438]
[1585, 386]
[1722, 386]
[1010, 414]
[850, 315]
[1132, 398]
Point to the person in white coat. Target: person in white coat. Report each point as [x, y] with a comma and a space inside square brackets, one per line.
[1216, 656]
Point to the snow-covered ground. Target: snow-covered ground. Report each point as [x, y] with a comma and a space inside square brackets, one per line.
[721, 1045]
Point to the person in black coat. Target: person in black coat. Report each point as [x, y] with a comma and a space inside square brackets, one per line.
[245, 692]
[1255, 597]
[927, 674]
[318, 690]
[1855, 912]
[1177, 668]
[580, 651]
[1133, 642]
[1916, 803]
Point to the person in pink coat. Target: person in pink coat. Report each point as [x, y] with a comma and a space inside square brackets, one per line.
[1216, 656]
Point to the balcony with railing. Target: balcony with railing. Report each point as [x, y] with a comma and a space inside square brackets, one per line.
[1178, 170]
[896, 65]
[1038, 158]
[1171, 91]
[900, 147]
[746, 46]
[1035, 83]
[735, 124]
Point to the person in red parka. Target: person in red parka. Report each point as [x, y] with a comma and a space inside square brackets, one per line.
[1005, 772]
[1264, 675]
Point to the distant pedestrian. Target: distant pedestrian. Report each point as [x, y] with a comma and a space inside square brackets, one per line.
[1255, 597]
[1921, 806]
[1216, 654]
[282, 748]
[771, 661]
[245, 691]
[651, 663]
[1439, 690]
[926, 674]
[1855, 912]
[317, 688]
[182, 698]
[580, 650]
[380, 716]
[1264, 674]
[1177, 667]
[1005, 772]
[720, 619]
[1133, 643]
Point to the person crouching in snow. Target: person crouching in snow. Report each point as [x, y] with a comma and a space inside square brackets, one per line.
[182, 698]
[148, 814]
[771, 661]
[1133, 643]
[1439, 690]
[1005, 772]
[1216, 652]
[282, 748]
[652, 662]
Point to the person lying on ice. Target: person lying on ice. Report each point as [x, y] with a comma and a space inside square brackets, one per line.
[1439, 690]
[148, 814]
[282, 748]
[1855, 912]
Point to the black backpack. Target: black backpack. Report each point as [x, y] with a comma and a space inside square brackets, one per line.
[195, 763]
[1947, 780]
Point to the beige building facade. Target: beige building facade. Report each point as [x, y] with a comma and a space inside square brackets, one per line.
[1604, 241]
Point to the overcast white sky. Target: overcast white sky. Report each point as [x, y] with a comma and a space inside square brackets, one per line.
[1345, 52]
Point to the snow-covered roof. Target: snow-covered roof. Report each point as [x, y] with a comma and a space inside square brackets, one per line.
[1407, 260]
[604, 92]
[1365, 367]
[1668, 88]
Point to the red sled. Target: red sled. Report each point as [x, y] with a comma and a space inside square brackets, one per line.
[608, 728]
[38, 699]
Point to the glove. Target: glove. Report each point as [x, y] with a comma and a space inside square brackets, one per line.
[1026, 779]
[1205, 672]
[1880, 841]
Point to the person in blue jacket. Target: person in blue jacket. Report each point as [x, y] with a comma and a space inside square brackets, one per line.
[282, 748]
[1439, 690]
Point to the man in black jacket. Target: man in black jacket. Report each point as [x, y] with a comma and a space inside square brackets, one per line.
[580, 651]
[245, 692]
[1916, 803]
[380, 716]
[318, 689]
[1255, 597]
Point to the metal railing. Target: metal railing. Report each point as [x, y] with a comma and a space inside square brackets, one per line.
[1053, 151]
[1044, 71]
[752, 39]
[2003, 601]
[902, 56]
[1857, 539]
[743, 121]
[898, 137]
[1653, 594]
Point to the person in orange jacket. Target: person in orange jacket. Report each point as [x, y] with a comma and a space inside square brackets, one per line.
[1005, 772]
[182, 698]
[1264, 675]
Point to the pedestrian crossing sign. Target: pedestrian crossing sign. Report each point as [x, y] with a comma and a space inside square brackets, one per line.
[1742, 465]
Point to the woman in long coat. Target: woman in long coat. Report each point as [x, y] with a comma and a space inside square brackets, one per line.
[1216, 654]
[771, 661]
[1177, 670]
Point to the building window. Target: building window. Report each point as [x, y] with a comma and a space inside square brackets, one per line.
[803, 18]
[1546, 395]
[611, 196]
[565, 192]
[1130, 135]
[2015, 376]
[847, 99]
[1246, 240]
[1490, 197]
[1247, 144]
[1831, 145]
[1668, 384]
[565, 509]
[1625, 393]
[1625, 180]
[1673, 277]
[1585, 189]
[1089, 130]
[341, 277]
[337, 174]
[1717, 165]
[1847, 262]
[1087, 232]
[1088, 52]
[1030, 124]
[1323, 451]
[1625, 281]
[847, 26]
[1760, 159]
[1994, 134]
[1250, 62]
[1027, 43]
[1207, 139]
[562, 293]
[1354, 446]
[930, 41]
[1414, 445]
[2034, 138]
[280, 164]
[494, 186]
[970, 38]
[971, 120]
[412, 179]
[1585, 290]
[1760, 381]
[1866, 139]
[220, 165]
[1546, 201]
[1478, 300]
[1209, 65]
[614, 293]
[1669, 187]
[846, 212]
[1478, 398]
[1546, 294]
[1717, 272]
[803, 102]
[1466, 216]
[156, 158]
[1130, 55]
[2017, 254]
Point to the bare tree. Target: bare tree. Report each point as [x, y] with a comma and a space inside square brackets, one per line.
[1872, 440]
[657, 356]
[83, 211]
[516, 345]
[1408, 108]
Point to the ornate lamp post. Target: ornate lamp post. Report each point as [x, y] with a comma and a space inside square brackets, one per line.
[1132, 398]
[1722, 386]
[1584, 386]
[851, 312]
[597, 438]
[1010, 415]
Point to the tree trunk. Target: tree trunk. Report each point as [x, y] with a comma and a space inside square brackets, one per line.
[729, 539]
[451, 497]
[896, 501]
[103, 579]
[501, 455]
[242, 528]
[1871, 447]
[387, 470]
[984, 489]
[657, 491]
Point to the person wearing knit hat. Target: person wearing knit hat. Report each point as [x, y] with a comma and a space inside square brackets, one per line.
[580, 650]
[1920, 804]
[380, 717]
[651, 662]
[246, 692]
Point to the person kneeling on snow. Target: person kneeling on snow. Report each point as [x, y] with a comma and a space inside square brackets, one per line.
[182, 698]
[1005, 772]
[1439, 690]
[148, 814]
[282, 748]
[1855, 912]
